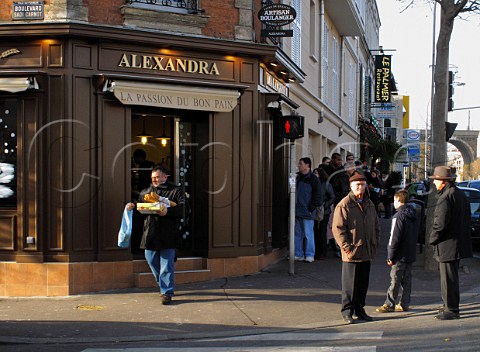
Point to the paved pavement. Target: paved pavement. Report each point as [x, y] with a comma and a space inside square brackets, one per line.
[267, 302]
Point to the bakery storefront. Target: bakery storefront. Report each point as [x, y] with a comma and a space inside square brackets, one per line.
[85, 112]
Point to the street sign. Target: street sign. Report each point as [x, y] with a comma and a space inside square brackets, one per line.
[385, 111]
[413, 152]
[27, 10]
[413, 136]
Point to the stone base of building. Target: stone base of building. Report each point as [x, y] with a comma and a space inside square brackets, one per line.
[64, 279]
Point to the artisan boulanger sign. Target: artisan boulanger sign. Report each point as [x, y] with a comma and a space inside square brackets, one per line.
[160, 63]
[28, 10]
[383, 73]
[274, 16]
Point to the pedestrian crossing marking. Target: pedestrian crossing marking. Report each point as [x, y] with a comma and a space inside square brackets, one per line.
[306, 336]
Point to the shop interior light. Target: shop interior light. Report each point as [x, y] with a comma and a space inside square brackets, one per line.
[163, 138]
[283, 72]
[273, 64]
[144, 135]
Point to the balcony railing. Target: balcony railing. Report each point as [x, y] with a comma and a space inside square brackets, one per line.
[190, 5]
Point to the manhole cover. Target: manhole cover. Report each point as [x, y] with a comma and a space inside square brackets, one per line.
[88, 307]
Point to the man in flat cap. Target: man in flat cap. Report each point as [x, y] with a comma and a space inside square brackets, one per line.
[356, 229]
[450, 238]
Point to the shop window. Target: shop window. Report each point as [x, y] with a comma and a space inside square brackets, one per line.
[179, 6]
[8, 155]
[182, 16]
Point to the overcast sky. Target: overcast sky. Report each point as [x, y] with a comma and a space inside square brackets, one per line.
[410, 34]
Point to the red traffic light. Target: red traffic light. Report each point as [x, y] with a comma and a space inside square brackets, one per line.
[291, 126]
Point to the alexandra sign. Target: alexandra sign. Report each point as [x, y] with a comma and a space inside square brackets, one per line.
[160, 63]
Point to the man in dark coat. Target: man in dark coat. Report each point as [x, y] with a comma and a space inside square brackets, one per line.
[308, 198]
[451, 238]
[161, 230]
[401, 253]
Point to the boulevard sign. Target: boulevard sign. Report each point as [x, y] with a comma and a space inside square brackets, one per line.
[27, 10]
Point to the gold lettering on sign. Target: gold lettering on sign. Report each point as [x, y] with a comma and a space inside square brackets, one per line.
[160, 63]
[9, 52]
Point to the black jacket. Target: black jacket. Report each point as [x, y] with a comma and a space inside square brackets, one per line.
[341, 184]
[328, 196]
[402, 245]
[163, 231]
[450, 234]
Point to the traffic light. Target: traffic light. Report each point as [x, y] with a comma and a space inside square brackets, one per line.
[449, 129]
[291, 126]
[451, 77]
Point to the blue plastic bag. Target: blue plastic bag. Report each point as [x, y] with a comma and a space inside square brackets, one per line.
[125, 233]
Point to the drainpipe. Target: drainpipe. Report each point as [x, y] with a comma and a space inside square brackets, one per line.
[320, 71]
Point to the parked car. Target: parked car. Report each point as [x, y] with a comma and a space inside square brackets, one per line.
[418, 190]
[469, 184]
[473, 195]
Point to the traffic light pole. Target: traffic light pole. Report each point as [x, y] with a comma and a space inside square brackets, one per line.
[292, 184]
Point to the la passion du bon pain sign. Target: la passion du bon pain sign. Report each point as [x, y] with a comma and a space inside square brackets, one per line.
[274, 16]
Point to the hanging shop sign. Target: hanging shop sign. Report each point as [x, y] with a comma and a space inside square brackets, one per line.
[274, 16]
[383, 73]
[28, 10]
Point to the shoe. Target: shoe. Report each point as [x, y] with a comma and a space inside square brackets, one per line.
[364, 316]
[309, 259]
[166, 299]
[348, 319]
[299, 259]
[400, 308]
[385, 309]
[447, 316]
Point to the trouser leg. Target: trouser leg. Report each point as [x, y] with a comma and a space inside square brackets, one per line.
[406, 285]
[450, 285]
[309, 238]
[362, 279]
[167, 271]
[396, 274]
[348, 288]
[153, 260]
[299, 235]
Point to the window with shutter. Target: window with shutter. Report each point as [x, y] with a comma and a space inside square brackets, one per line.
[325, 84]
[351, 96]
[297, 34]
[335, 76]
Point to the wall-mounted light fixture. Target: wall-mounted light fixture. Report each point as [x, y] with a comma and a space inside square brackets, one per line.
[144, 135]
[163, 138]
[340, 131]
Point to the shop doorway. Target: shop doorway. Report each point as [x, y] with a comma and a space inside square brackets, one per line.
[176, 139]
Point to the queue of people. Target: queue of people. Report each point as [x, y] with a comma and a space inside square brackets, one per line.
[354, 198]
[342, 199]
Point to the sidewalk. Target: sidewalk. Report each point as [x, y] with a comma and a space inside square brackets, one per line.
[270, 301]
